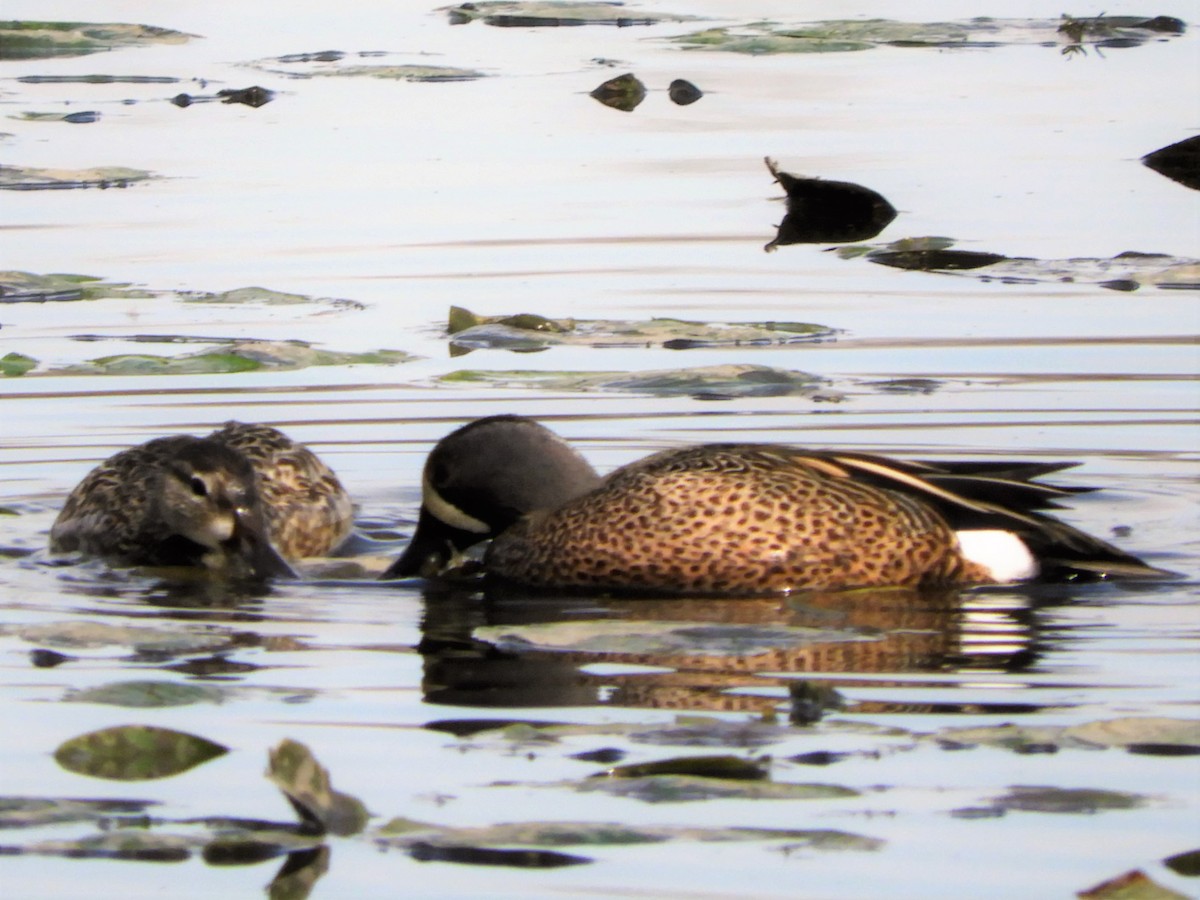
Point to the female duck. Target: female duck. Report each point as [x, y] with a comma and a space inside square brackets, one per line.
[742, 519]
[238, 501]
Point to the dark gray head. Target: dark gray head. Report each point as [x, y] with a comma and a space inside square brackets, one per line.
[483, 477]
[208, 496]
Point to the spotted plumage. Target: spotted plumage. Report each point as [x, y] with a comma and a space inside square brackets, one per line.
[239, 501]
[743, 519]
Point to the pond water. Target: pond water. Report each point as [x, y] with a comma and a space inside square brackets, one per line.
[384, 203]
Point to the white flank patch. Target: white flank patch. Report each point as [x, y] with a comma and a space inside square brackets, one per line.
[1002, 553]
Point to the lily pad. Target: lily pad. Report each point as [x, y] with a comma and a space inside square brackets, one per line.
[335, 63]
[13, 364]
[127, 845]
[36, 812]
[735, 768]
[1131, 733]
[135, 753]
[79, 635]
[551, 14]
[20, 178]
[44, 40]
[531, 332]
[1135, 885]
[147, 694]
[1127, 271]
[625, 92]
[237, 356]
[404, 832]
[26, 287]
[720, 382]
[307, 785]
[1075, 801]
[689, 788]
[848, 35]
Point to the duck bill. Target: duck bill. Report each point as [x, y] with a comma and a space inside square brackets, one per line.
[433, 545]
[254, 554]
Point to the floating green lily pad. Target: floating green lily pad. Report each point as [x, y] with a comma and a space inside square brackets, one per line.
[79, 635]
[1124, 272]
[236, 356]
[1136, 733]
[45, 40]
[335, 63]
[306, 783]
[36, 812]
[848, 35]
[26, 287]
[135, 753]
[147, 694]
[689, 788]
[22, 178]
[550, 14]
[1026, 798]
[734, 768]
[527, 331]
[704, 382]
[13, 364]
[404, 832]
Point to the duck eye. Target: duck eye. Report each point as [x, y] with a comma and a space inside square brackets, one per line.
[199, 488]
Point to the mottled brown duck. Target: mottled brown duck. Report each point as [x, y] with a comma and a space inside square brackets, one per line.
[743, 519]
[242, 500]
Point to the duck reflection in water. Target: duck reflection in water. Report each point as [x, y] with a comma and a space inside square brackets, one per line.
[515, 651]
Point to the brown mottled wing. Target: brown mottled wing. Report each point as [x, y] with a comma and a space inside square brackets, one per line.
[111, 512]
[731, 519]
[308, 511]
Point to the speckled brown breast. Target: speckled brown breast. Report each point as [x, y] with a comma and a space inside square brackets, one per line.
[733, 519]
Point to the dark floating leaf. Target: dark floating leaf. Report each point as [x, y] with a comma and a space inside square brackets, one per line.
[683, 92]
[97, 79]
[1066, 800]
[624, 92]
[423, 851]
[468, 727]
[48, 659]
[306, 783]
[35, 812]
[240, 852]
[253, 96]
[135, 753]
[1187, 863]
[23, 178]
[819, 758]
[933, 260]
[604, 756]
[83, 117]
[132, 846]
[733, 768]
[1180, 162]
[828, 211]
[1150, 748]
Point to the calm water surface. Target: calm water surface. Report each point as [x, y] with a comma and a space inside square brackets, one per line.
[519, 193]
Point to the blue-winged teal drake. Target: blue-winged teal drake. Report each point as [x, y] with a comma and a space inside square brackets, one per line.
[738, 519]
[240, 500]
